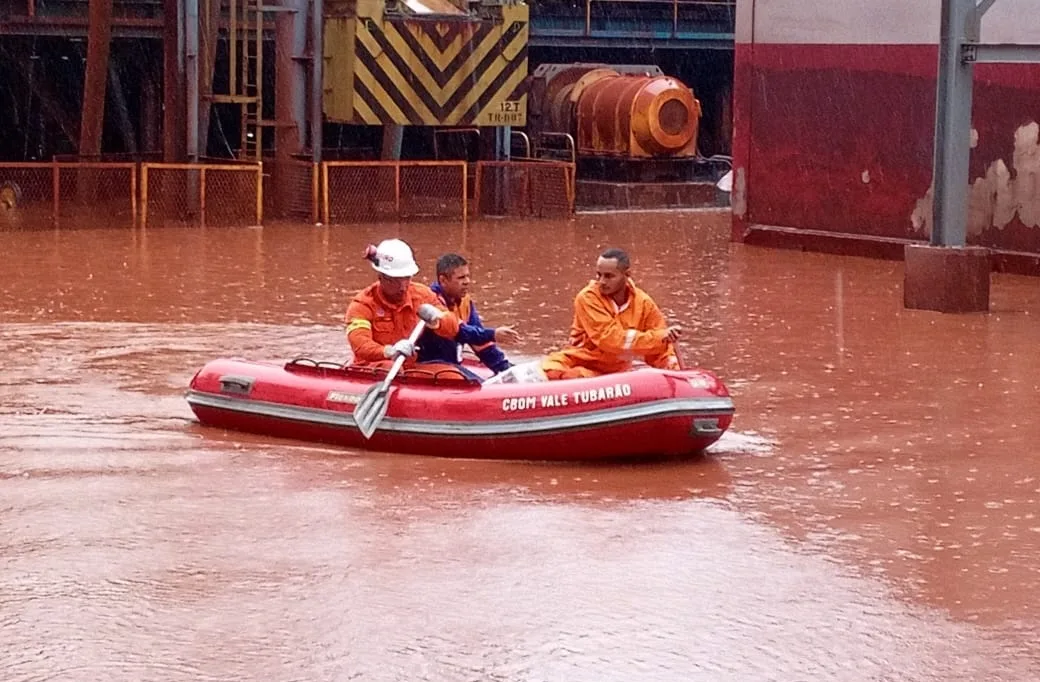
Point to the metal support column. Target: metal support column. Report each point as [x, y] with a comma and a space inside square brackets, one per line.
[938, 277]
[290, 101]
[503, 146]
[393, 141]
[99, 42]
[960, 48]
[173, 82]
[290, 89]
[952, 127]
[191, 53]
[126, 126]
[317, 75]
[150, 114]
[503, 152]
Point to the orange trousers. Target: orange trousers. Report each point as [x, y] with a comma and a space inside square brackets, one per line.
[555, 374]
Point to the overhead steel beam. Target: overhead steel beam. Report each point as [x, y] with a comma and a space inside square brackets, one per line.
[715, 41]
[74, 27]
[1000, 53]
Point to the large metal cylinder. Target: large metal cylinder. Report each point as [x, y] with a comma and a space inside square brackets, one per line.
[637, 116]
[618, 111]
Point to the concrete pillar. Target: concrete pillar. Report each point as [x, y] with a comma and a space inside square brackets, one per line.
[946, 279]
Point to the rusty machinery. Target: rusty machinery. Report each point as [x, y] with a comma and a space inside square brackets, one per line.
[632, 121]
[426, 62]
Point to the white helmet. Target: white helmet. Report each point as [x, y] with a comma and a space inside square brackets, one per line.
[394, 258]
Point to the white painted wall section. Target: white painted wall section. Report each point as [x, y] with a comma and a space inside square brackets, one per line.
[875, 22]
[743, 29]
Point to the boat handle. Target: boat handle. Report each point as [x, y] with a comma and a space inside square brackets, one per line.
[706, 427]
[231, 383]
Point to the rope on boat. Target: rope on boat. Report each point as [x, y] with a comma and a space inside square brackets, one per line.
[414, 374]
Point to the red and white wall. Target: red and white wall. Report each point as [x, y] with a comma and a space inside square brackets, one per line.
[834, 106]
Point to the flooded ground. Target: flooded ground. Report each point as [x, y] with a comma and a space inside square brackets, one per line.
[871, 515]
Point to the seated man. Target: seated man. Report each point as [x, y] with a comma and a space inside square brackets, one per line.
[452, 287]
[382, 316]
[614, 322]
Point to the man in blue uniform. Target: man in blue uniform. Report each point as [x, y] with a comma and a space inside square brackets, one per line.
[452, 287]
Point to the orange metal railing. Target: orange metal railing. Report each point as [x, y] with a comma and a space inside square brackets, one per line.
[292, 189]
[40, 194]
[34, 195]
[367, 191]
[179, 193]
[542, 189]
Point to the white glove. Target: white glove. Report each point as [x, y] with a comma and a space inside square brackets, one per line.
[429, 314]
[404, 348]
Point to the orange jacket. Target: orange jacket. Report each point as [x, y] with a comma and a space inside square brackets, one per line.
[606, 340]
[373, 323]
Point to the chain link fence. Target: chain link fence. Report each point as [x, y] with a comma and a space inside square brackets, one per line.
[96, 194]
[541, 189]
[200, 195]
[372, 191]
[291, 189]
[27, 196]
[55, 194]
[47, 195]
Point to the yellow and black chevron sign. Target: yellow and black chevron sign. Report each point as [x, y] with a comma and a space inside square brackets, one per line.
[440, 72]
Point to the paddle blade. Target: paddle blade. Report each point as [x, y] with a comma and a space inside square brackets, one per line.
[371, 409]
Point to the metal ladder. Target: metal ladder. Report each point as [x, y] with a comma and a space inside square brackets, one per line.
[252, 82]
[245, 74]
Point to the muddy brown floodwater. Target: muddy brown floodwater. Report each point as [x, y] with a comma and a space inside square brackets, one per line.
[872, 515]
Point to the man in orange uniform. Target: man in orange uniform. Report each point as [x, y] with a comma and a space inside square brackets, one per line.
[382, 316]
[614, 322]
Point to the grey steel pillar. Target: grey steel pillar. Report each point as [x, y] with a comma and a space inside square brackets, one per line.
[952, 127]
[946, 275]
[960, 48]
[393, 142]
[503, 149]
[317, 74]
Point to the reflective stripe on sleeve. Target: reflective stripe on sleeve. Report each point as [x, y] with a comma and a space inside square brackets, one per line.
[358, 323]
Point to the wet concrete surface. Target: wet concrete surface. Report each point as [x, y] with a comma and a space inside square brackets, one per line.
[870, 516]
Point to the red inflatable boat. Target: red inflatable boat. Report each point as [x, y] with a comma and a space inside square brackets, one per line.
[641, 413]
